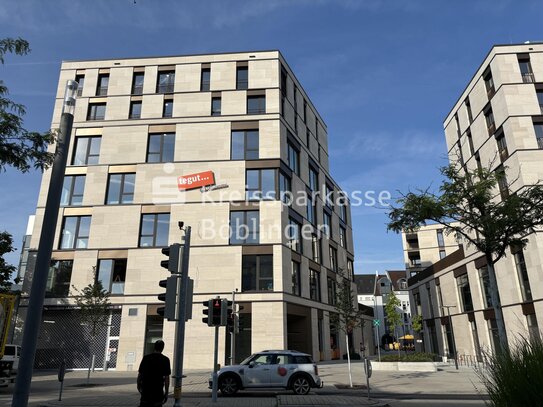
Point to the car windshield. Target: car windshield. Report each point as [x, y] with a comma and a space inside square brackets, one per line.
[246, 361]
[9, 350]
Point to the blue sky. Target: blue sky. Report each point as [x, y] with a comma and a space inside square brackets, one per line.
[383, 75]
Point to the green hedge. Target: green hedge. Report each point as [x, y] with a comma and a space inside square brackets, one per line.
[411, 357]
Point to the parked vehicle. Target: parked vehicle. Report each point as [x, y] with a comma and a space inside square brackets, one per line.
[270, 369]
[9, 364]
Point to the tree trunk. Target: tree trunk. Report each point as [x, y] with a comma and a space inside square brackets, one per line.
[349, 359]
[494, 295]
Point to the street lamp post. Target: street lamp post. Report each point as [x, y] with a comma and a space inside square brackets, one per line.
[452, 333]
[43, 259]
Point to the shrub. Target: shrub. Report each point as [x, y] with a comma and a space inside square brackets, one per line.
[513, 378]
[411, 357]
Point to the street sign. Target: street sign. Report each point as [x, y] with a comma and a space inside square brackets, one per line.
[376, 322]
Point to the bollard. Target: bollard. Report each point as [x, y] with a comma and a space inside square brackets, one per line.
[61, 373]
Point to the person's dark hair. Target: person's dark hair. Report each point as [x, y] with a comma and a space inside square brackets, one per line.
[159, 346]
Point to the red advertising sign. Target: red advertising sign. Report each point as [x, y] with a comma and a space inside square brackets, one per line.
[193, 181]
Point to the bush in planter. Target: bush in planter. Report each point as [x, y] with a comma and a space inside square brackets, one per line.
[354, 356]
[411, 357]
[514, 378]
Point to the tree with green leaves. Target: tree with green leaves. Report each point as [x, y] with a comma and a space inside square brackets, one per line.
[347, 316]
[393, 316]
[477, 207]
[416, 323]
[6, 270]
[93, 309]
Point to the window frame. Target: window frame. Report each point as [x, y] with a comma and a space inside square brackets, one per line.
[296, 288]
[253, 234]
[92, 113]
[257, 276]
[161, 153]
[169, 85]
[121, 199]
[247, 152]
[314, 285]
[70, 194]
[101, 89]
[242, 84]
[205, 83]
[137, 89]
[333, 259]
[154, 235]
[131, 114]
[264, 196]
[54, 289]
[112, 271]
[77, 237]
[464, 289]
[87, 152]
[260, 104]
[293, 158]
[294, 237]
[167, 108]
[214, 110]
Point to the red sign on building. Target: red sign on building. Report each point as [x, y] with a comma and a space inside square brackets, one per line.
[193, 181]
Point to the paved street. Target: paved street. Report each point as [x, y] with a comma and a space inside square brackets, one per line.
[447, 387]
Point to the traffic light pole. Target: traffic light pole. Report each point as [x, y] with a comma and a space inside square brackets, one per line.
[215, 362]
[233, 333]
[179, 346]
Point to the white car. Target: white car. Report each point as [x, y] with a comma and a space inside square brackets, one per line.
[9, 364]
[270, 369]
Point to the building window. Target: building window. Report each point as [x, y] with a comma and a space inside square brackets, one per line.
[539, 93]
[502, 182]
[285, 188]
[256, 104]
[458, 132]
[245, 145]
[327, 224]
[478, 161]
[494, 335]
[80, 79]
[295, 278]
[342, 237]
[305, 111]
[485, 287]
[468, 108]
[72, 190]
[161, 148]
[533, 328]
[103, 83]
[313, 180]
[442, 254]
[167, 108]
[244, 227]
[343, 211]
[460, 154]
[58, 279]
[332, 289]
[155, 229]
[526, 70]
[440, 239]
[502, 146]
[75, 232]
[97, 111]
[137, 83]
[470, 143]
[328, 196]
[283, 80]
[260, 185]
[216, 106]
[333, 259]
[86, 151]
[112, 274]
[522, 273]
[489, 118]
[538, 127]
[135, 110]
[205, 79]
[257, 273]
[489, 83]
[314, 285]
[464, 293]
[294, 236]
[307, 138]
[242, 77]
[293, 156]
[350, 269]
[315, 249]
[311, 210]
[165, 82]
[120, 189]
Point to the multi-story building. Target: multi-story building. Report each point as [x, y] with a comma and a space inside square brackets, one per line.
[426, 246]
[24, 258]
[242, 127]
[497, 122]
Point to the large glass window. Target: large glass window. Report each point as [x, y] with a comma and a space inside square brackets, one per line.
[165, 82]
[464, 292]
[333, 259]
[75, 232]
[332, 289]
[327, 224]
[215, 106]
[120, 189]
[522, 273]
[489, 83]
[314, 285]
[313, 180]
[86, 151]
[350, 273]
[80, 79]
[494, 335]
[256, 104]
[137, 83]
[97, 111]
[485, 286]
[72, 190]
[490, 123]
[294, 236]
[161, 148]
[257, 273]
[296, 278]
[328, 196]
[205, 80]
[242, 77]
[261, 185]
[440, 239]
[244, 227]
[533, 327]
[311, 210]
[502, 146]
[155, 229]
[58, 279]
[315, 248]
[343, 212]
[167, 108]
[103, 83]
[342, 237]
[135, 110]
[293, 158]
[285, 188]
[245, 145]
[112, 274]
[526, 70]
[538, 127]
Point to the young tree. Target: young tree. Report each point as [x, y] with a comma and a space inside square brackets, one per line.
[347, 316]
[469, 205]
[416, 323]
[6, 270]
[94, 307]
[393, 317]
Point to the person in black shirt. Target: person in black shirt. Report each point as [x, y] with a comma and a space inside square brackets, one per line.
[154, 377]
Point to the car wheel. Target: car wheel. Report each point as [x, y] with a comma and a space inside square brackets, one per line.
[301, 385]
[228, 385]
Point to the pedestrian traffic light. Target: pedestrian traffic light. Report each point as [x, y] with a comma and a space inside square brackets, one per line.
[226, 311]
[168, 311]
[173, 264]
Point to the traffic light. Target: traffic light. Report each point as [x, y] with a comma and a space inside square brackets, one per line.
[169, 298]
[173, 263]
[226, 311]
[212, 311]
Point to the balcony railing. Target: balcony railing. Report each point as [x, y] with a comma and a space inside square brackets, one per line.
[101, 91]
[205, 86]
[137, 90]
[528, 77]
[242, 84]
[165, 88]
